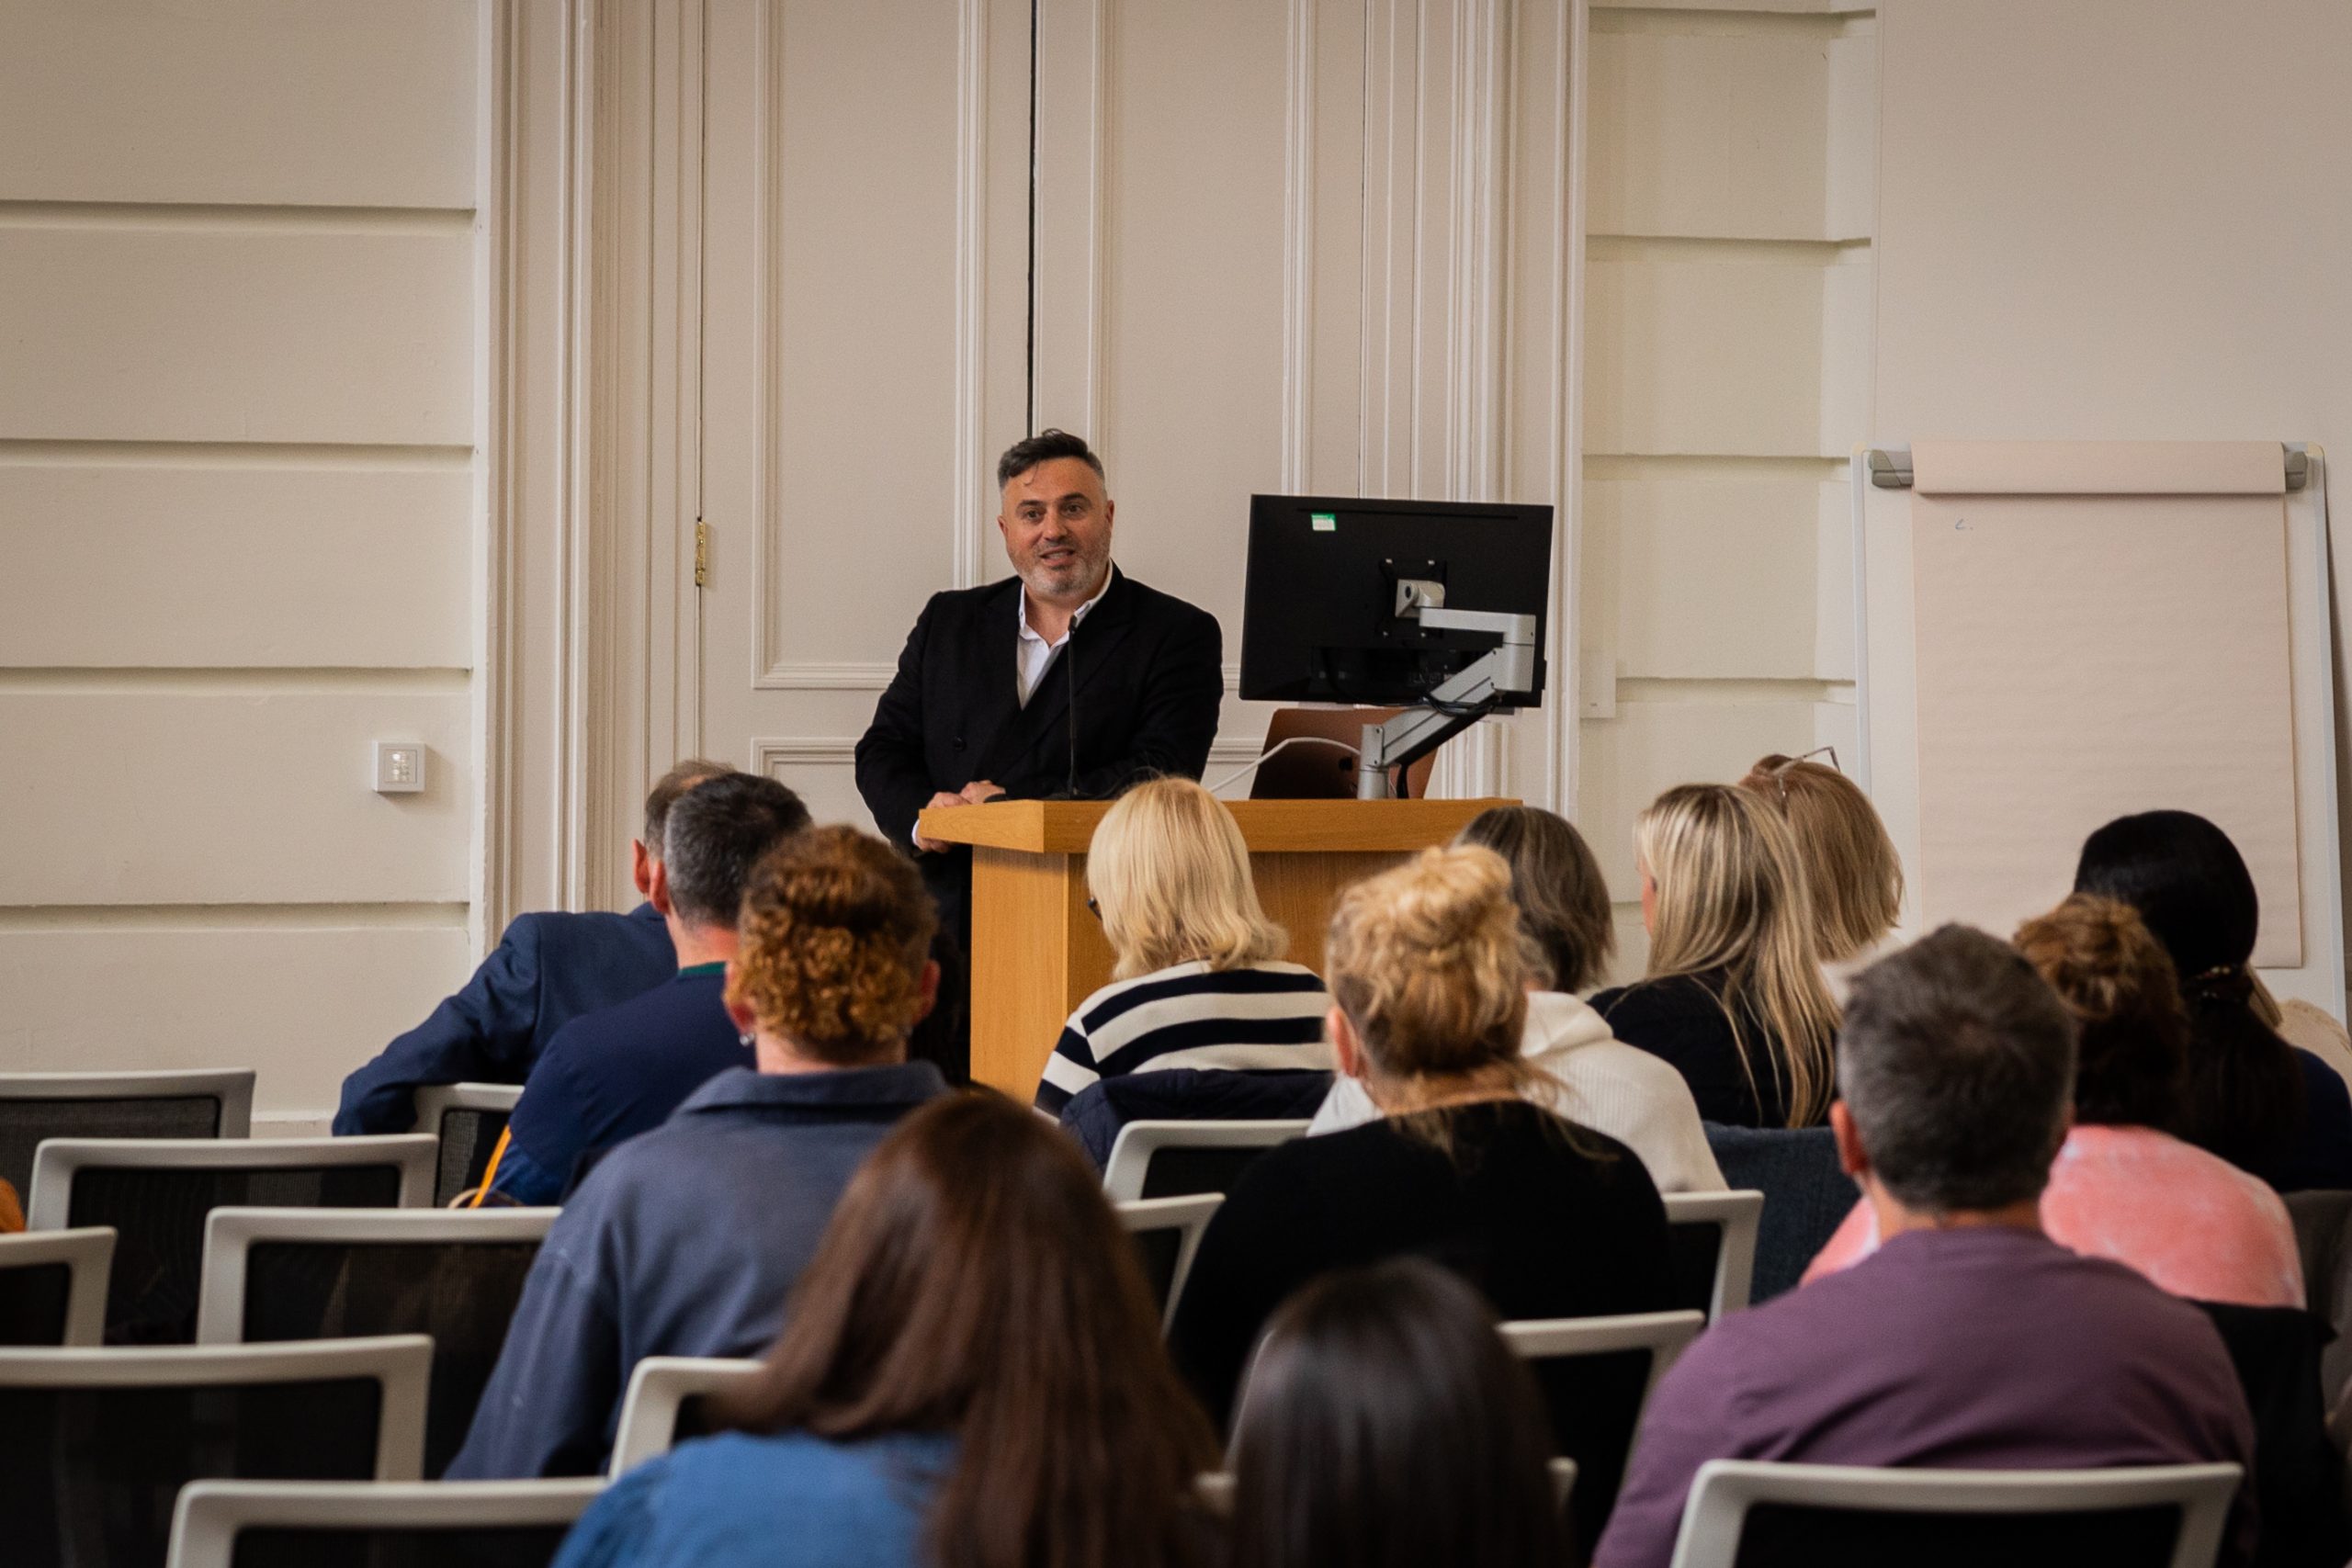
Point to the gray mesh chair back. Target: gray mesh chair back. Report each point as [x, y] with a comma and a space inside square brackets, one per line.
[54, 1286]
[199, 1104]
[301, 1524]
[1184, 1159]
[1595, 1374]
[2323, 1235]
[95, 1445]
[660, 1408]
[289, 1274]
[467, 1119]
[1755, 1515]
[156, 1193]
[1166, 1233]
[1714, 1240]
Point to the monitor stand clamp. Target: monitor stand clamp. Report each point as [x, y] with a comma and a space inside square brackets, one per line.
[1505, 673]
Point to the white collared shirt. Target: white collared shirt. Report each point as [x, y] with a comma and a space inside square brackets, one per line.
[1033, 655]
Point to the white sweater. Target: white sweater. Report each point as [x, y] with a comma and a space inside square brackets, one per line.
[1596, 1081]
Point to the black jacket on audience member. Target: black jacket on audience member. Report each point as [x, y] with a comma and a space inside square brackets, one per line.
[1546, 1220]
[1680, 1018]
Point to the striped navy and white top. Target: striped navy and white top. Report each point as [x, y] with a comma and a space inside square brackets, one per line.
[1258, 1015]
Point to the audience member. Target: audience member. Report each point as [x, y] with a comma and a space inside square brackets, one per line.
[1970, 1340]
[685, 1241]
[1387, 1425]
[548, 970]
[615, 1074]
[1586, 1075]
[2252, 1098]
[1853, 878]
[2123, 1186]
[1548, 1219]
[1198, 982]
[1735, 999]
[971, 1378]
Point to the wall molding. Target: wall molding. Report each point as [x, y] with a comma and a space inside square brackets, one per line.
[770, 751]
[847, 676]
[969, 518]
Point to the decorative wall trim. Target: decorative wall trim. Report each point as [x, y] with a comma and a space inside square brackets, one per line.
[499, 110]
[841, 677]
[771, 751]
[1298, 254]
[969, 518]
[1562, 722]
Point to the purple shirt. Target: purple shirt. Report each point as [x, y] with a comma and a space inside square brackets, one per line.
[1981, 1348]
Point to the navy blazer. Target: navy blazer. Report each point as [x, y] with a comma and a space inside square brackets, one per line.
[1150, 673]
[548, 970]
[610, 1076]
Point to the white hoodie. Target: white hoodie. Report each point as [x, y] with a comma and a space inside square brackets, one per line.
[1597, 1081]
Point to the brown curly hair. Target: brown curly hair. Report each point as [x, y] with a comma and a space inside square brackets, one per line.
[2119, 983]
[836, 928]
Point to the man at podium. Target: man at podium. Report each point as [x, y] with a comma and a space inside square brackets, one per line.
[1000, 694]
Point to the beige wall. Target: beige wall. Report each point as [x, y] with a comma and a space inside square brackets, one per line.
[2117, 220]
[238, 501]
[1727, 330]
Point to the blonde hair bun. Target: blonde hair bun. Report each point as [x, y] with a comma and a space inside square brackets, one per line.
[1429, 963]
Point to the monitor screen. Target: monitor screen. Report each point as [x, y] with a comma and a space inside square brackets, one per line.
[1320, 621]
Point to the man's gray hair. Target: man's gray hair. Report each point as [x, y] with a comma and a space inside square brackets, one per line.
[1957, 1063]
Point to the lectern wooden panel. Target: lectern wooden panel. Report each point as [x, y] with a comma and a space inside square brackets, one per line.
[1037, 952]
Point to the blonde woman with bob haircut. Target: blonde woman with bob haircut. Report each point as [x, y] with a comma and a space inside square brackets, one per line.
[1581, 1071]
[1735, 999]
[1429, 968]
[1199, 981]
[1853, 877]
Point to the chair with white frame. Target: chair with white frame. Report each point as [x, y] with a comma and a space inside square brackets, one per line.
[1182, 1159]
[155, 1192]
[662, 1391]
[278, 1275]
[1714, 1237]
[95, 1444]
[1597, 1374]
[188, 1103]
[1756, 1514]
[54, 1286]
[1167, 1234]
[486, 1524]
[468, 1118]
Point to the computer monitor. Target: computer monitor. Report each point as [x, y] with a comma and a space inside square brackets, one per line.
[1321, 618]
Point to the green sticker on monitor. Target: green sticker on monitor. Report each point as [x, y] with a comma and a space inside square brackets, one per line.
[1325, 521]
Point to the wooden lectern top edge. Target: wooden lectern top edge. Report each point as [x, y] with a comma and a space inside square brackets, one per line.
[1268, 827]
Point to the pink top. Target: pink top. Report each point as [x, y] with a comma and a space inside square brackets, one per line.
[2194, 1224]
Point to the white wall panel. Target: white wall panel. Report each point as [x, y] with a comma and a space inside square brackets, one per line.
[1708, 134]
[301, 1006]
[1703, 354]
[143, 564]
[1652, 746]
[1711, 577]
[361, 334]
[180, 792]
[338, 104]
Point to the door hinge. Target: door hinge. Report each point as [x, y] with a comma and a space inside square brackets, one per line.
[702, 553]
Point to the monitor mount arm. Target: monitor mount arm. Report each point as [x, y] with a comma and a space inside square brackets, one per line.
[1469, 697]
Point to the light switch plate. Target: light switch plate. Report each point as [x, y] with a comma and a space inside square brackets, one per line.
[399, 767]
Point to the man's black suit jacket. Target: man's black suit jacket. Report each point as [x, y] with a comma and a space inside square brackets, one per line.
[1149, 675]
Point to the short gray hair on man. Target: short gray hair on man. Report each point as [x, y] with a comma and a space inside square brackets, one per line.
[1957, 1064]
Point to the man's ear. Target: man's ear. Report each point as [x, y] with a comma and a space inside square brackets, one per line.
[657, 888]
[640, 867]
[746, 1021]
[1347, 1045]
[1852, 1158]
[928, 986]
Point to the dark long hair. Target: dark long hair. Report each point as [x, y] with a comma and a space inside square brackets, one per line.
[1386, 1425]
[974, 1281]
[2244, 1090]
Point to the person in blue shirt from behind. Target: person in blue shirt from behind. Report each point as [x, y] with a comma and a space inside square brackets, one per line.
[688, 1241]
[548, 969]
[612, 1074]
[971, 1378]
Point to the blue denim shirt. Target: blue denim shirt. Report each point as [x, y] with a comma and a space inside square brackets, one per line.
[788, 1501]
[684, 1242]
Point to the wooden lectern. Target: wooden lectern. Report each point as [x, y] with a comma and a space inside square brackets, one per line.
[1037, 951]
